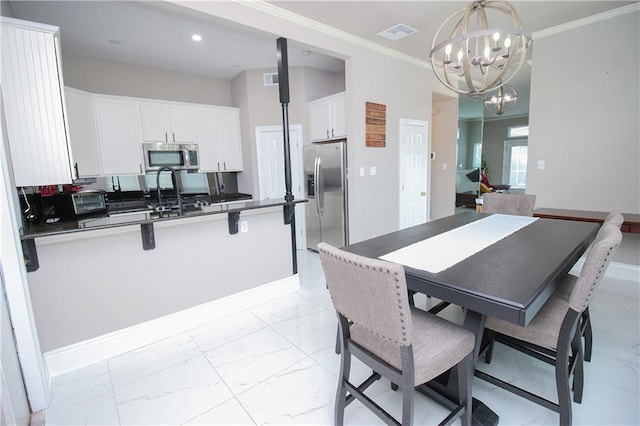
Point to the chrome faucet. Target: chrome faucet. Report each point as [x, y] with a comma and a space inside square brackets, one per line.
[174, 179]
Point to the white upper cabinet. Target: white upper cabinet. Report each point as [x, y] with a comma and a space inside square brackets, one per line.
[82, 133]
[119, 134]
[32, 97]
[168, 122]
[327, 117]
[218, 137]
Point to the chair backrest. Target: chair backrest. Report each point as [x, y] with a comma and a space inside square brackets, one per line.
[515, 204]
[614, 218]
[595, 266]
[370, 292]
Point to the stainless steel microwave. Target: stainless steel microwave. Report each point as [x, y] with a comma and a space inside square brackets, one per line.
[177, 156]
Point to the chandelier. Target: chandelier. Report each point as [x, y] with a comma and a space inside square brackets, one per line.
[504, 97]
[471, 57]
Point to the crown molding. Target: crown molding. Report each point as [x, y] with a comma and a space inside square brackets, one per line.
[635, 7]
[278, 12]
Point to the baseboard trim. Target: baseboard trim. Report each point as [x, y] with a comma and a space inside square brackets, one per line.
[616, 270]
[81, 354]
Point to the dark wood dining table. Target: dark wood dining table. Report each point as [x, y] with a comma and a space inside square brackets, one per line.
[510, 279]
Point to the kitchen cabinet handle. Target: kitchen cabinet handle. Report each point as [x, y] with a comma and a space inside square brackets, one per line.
[76, 169]
[140, 165]
[333, 134]
[225, 165]
[327, 133]
[174, 136]
[166, 137]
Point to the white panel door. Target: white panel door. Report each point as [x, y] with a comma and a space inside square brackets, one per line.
[271, 169]
[413, 172]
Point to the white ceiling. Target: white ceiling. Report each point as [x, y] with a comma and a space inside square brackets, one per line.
[158, 34]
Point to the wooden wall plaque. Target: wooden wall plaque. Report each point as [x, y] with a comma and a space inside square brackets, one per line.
[376, 122]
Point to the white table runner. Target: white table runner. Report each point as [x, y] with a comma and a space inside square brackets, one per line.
[438, 253]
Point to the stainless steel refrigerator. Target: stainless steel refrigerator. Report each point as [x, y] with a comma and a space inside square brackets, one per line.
[325, 171]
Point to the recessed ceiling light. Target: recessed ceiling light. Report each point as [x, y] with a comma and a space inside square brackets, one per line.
[397, 32]
[196, 37]
[306, 52]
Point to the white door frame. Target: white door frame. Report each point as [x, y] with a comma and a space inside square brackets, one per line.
[296, 177]
[16, 288]
[402, 123]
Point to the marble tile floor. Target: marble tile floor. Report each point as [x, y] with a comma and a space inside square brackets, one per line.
[275, 364]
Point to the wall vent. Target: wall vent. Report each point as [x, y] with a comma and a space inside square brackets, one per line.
[397, 32]
[270, 78]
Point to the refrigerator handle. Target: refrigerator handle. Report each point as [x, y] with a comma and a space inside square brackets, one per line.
[316, 179]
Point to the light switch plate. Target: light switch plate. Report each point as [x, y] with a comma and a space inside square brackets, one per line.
[361, 171]
[372, 171]
[540, 164]
[244, 226]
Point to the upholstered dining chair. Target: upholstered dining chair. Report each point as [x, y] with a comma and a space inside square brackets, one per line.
[616, 219]
[553, 335]
[376, 324]
[515, 204]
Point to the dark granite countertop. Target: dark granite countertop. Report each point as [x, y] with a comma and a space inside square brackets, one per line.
[119, 219]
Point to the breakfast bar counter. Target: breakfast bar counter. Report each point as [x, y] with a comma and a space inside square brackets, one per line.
[96, 279]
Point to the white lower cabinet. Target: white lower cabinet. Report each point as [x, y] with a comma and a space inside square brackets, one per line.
[218, 138]
[119, 135]
[82, 133]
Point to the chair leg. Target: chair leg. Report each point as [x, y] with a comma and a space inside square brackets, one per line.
[338, 341]
[407, 405]
[578, 370]
[588, 335]
[568, 332]
[341, 392]
[465, 378]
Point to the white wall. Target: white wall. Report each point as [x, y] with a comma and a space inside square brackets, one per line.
[584, 117]
[116, 78]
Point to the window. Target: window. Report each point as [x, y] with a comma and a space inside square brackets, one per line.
[518, 132]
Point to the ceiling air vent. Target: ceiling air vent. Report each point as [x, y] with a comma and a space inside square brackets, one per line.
[397, 32]
[270, 78]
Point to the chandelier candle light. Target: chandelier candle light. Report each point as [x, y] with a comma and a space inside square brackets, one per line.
[476, 58]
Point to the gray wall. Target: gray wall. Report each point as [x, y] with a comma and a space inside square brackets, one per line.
[260, 106]
[369, 77]
[584, 117]
[194, 262]
[5, 9]
[115, 78]
[494, 134]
